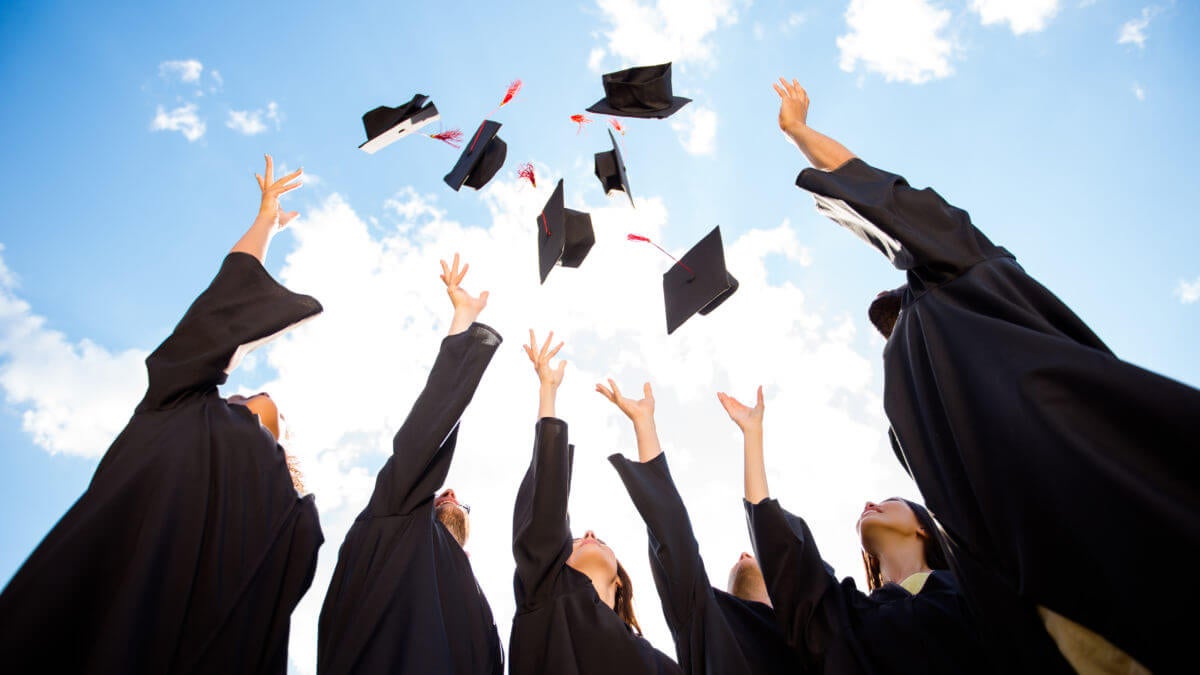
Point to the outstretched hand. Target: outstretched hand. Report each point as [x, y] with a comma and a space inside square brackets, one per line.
[636, 410]
[550, 377]
[741, 414]
[464, 303]
[269, 210]
[793, 106]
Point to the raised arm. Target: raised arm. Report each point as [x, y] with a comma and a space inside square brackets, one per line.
[241, 309]
[822, 152]
[679, 575]
[271, 218]
[750, 421]
[541, 530]
[424, 446]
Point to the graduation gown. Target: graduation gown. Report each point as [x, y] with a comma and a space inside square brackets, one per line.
[1063, 476]
[404, 598]
[190, 547]
[836, 628]
[715, 633]
[561, 625]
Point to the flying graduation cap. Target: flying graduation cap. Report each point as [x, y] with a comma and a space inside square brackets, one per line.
[643, 91]
[698, 282]
[610, 169]
[481, 158]
[385, 125]
[564, 235]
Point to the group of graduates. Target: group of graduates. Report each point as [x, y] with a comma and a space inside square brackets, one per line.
[1058, 481]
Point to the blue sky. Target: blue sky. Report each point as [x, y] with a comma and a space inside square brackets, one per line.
[1064, 127]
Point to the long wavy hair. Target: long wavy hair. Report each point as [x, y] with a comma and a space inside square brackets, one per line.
[935, 547]
[623, 600]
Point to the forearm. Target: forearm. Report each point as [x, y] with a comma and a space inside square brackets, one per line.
[822, 151]
[463, 318]
[647, 439]
[546, 396]
[257, 238]
[755, 471]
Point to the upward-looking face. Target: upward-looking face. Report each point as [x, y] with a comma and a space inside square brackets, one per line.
[268, 414]
[455, 515]
[746, 580]
[888, 516]
[590, 553]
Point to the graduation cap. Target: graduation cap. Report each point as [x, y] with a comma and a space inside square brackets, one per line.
[386, 125]
[643, 91]
[697, 282]
[885, 310]
[610, 169]
[480, 160]
[564, 234]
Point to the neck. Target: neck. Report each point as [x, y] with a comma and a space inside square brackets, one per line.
[604, 584]
[900, 559]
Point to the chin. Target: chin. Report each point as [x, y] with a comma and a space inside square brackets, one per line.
[592, 557]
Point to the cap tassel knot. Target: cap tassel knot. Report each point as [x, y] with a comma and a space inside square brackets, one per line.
[638, 237]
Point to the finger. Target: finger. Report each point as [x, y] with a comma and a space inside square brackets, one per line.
[268, 176]
[562, 367]
[483, 298]
[796, 88]
[463, 273]
[616, 390]
[445, 272]
[646, 391]
[529, 353]
[532, 341]
[781, 92]
[605, 392]
[288, 217]
[285, 189]
[546, 345]
[291, 176]
[261, 184]
[554, 351]
[760, 396]
[454, 268]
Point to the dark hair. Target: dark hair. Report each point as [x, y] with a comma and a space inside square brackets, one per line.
[623, 599]
[935, 547]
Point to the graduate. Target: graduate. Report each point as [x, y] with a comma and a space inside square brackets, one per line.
[574, 599]
[191, 545]
[1063, 476]
[715, 632]
[915, 620]
[403, 598]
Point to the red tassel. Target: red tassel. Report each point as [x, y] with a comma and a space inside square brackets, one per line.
[638, 237]
[617, 125]
[451, 137]
[511, 93]
[580, 120]
[526, 172]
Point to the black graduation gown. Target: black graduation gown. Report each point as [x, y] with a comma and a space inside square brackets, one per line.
[403, 598]
[561, 625]
[715, 633]
[190, 548]
[1063, 476]
[836, 628]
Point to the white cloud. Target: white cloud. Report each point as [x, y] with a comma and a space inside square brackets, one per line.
[183, 119]
[665, 30]
[1188, 291]
[250, 122]
[596, 59]
[794, 20]
[903, 40]
[73, 397]
[347, 380]
[1022, 16]
[696, 126]
[1133, 31]
[186, 71]
[1139, 92]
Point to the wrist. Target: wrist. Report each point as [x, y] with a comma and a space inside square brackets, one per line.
[643, 424]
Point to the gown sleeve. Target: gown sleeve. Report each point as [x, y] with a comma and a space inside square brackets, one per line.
[424, 445]
[241, 309]
[917, 230]
[541, 528]
[675, 559]
[807, 597]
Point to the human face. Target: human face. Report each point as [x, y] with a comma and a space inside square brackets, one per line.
[265, 409]
[888, 515]
[589, 552]
[746, 580]
[454, 515]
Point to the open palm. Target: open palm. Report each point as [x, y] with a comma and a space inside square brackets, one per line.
[743, 415]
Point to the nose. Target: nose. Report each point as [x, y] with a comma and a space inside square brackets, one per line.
[589, 535]
[745, 556]
[449, 493]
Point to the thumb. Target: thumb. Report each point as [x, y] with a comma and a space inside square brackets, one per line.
[483, 298]
[647, 392]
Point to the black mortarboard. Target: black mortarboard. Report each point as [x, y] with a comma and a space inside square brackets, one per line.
[644, 91]
[885, 310]
[610, 169]
[386, 125]
[563, 234]
[699, 282]
[482, 157]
